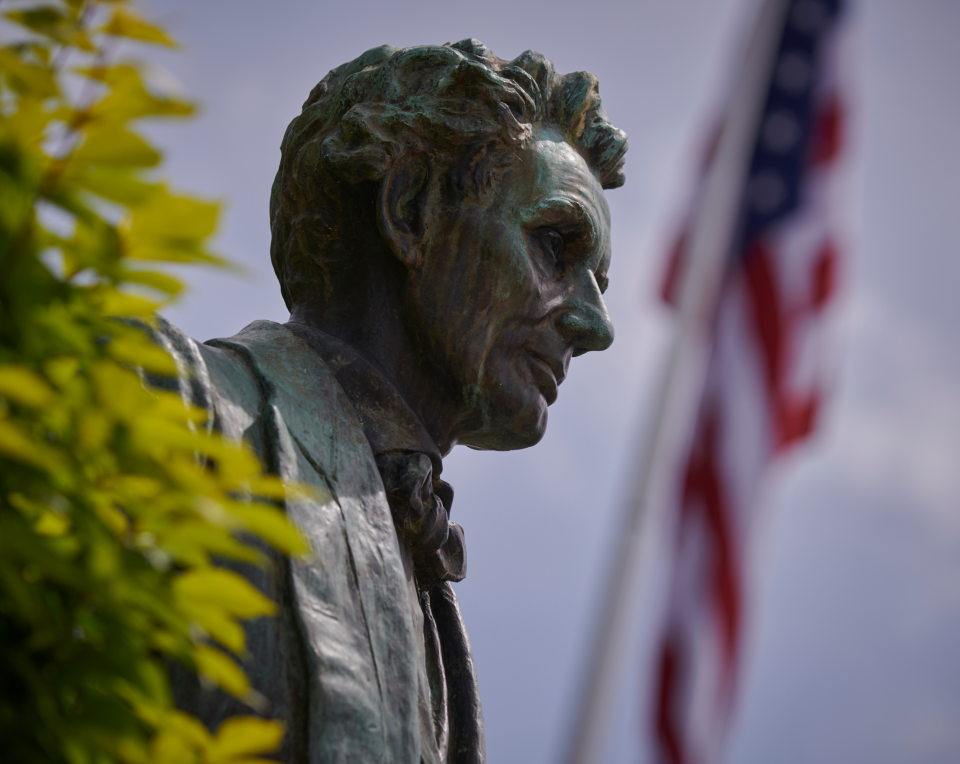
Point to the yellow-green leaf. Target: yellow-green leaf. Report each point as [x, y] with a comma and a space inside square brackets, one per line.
[171, 228]
[187, 728]
[135, 487]
[116, 303]
[174, 251]
[152, 431]
[62, 369]
[168, 748]
[25, 77]
[126, 23]
[19, 384]
[142, 354]
[15, 444]
[271, 524]
[219, 626]
[130, 99]
[50, 21]
[117, 184]
[113, 518]
[52, 524]
[93, 429]
[272, 487]
[115, 146]
[171, 406]
[95, 244]
[244, 736]
[193, 543]
[26, 128]
[159, 281]
[118, 390]
[235, 463]
[145, 706]
[222, 588]
[129, 749]
[171, 216]
[180, 740]
[221, 670]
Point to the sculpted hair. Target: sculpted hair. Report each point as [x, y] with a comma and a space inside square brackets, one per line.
[456, 103]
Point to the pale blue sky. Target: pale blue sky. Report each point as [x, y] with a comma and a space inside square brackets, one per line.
[858, 616]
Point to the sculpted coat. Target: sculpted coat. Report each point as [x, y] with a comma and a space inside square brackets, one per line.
[386, 671]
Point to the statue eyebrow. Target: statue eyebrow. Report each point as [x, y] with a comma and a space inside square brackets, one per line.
[565, 214]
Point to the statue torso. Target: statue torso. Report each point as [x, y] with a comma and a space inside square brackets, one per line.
[364, 662]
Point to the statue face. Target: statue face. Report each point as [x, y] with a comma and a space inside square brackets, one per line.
[509, 288]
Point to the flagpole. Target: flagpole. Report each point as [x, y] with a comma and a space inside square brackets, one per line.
[712, 232]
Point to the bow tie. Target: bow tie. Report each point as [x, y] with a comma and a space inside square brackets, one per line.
[420, 504]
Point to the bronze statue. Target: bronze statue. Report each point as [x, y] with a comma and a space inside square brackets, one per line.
[441, 238]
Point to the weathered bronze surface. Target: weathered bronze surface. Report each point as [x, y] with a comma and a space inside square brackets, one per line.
[442, 240]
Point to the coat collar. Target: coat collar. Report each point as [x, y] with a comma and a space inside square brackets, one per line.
[388, 422]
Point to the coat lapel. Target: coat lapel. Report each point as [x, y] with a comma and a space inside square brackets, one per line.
[352, 595]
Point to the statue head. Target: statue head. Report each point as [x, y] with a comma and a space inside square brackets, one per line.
[445, 209]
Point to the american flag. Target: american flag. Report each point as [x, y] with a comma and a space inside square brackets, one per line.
[764, 378]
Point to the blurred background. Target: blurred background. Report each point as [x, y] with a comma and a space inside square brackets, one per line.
[856, 642]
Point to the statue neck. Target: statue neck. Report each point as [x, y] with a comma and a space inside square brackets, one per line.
[369, 320]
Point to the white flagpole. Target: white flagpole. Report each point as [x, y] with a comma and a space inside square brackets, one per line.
[712, 231]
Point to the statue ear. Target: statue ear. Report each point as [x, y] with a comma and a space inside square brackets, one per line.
[403, 192]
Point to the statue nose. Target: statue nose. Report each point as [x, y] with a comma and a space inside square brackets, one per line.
[584, 322]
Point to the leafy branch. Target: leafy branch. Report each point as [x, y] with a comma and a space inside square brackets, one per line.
[109, 520]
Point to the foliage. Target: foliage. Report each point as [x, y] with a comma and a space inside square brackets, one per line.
[108, 518]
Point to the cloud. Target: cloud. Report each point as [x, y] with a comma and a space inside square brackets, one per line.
[898, 414]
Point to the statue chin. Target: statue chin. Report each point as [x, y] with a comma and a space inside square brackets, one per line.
[511, 422]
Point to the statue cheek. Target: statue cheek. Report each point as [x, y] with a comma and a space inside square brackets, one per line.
[512, 274]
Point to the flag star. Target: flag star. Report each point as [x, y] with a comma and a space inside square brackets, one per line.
[781, 131]
[793, 72]
[807, 16]
[767, 191]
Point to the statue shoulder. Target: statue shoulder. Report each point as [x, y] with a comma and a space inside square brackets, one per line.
[300, 390]
[217, 381]
[263, 366]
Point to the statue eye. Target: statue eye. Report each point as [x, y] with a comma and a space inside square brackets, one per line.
[553, 242]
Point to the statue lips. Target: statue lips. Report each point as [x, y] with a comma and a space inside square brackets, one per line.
[547, 374]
